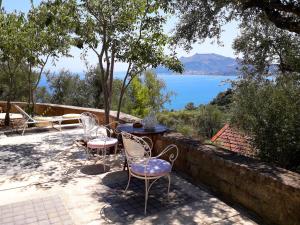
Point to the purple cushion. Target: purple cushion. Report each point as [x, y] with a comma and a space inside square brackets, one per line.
[155, 167]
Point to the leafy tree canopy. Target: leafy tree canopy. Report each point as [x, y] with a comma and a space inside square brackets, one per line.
[263, 45]
[28, 41]
[204, 19]
[270, 112]
[146, 94]
[124, 31]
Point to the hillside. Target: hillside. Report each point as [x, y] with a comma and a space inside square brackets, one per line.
[206, 64]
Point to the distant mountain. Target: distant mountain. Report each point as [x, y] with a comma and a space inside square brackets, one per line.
[206, 64]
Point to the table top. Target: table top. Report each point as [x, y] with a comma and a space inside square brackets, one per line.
[127, 127]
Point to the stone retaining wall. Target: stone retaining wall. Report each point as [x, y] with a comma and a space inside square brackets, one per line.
[272, 193]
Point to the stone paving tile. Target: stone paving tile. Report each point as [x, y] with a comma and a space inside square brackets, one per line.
[130, 206]
[91, 199]
[41, 211]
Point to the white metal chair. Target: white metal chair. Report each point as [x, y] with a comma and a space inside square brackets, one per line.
[97, 137]
[143, 166]
[90, 124]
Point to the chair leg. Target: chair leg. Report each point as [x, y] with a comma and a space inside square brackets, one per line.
[169, 179]
[104, 158]
[116, 149]
[146, 195]
[125, 165]
[24, 128]
[129, 177]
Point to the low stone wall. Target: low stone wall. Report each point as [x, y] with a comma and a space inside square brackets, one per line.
[271, 192]
[46, 109]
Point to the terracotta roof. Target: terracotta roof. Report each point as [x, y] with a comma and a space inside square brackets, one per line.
[234, 140]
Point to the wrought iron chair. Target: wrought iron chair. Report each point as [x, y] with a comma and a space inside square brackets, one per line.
[143, 166]
[96, 137]
[90, 124]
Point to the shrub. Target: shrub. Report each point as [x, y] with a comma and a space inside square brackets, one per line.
[270, 112]
[208, 120]
[205, 121]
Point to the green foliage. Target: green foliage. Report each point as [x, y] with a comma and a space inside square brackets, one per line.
[28, 41]
[68, 89]
[223, 100]
[42, 95]
[266, 100]
[13, 38]
[270, 112]
[209, 120]
[13, 41]
[181, 121]
[269, 46]
[204, 121]
[145, 94]
[124, 31]
[199, 20]
[94, 87]
[19, 89]
[190, 106]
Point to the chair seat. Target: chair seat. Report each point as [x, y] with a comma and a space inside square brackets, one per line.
[154, 168]
[102, 142]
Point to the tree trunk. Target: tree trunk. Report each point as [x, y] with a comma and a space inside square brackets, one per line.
[120, 103]
[8, 107]
[123, 89]
[105, 91]
[8, 101]
[106, 102]
[30, 94]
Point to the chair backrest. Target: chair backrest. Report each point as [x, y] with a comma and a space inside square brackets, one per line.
[136, 148]
[23, 113]
[89, 122]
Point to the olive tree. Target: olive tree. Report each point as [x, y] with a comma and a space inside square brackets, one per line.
[146, 94]
[124, 31]
[267, 49]
[48, 29]
[266, 100]
[13, 39]
[28, 42]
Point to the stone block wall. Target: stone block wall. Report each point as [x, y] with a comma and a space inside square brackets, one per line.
[272, 193]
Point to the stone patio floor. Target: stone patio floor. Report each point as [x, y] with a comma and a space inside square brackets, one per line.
[45, 179]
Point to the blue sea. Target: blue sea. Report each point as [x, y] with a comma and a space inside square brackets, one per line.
[199, 89]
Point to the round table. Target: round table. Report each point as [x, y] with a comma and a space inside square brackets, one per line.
[128, 127]
[101, 144]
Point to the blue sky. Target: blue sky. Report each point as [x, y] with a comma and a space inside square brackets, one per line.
[76, 64]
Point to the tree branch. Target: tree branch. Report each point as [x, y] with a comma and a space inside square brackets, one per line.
[279, 13]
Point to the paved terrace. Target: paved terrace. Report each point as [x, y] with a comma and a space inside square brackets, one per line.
[45, 179]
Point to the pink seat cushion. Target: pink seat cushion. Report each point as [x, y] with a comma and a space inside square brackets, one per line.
[155, 167]
[102, 142]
